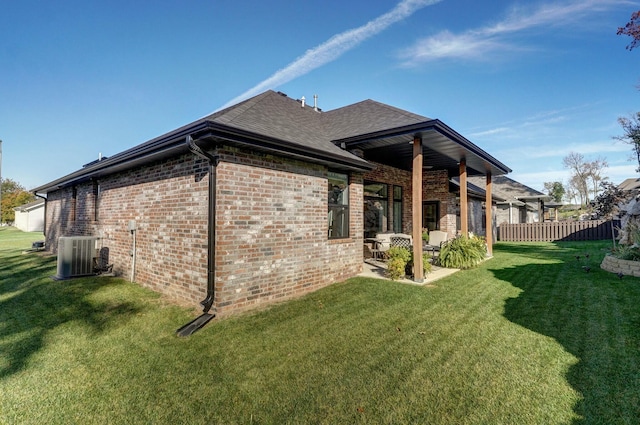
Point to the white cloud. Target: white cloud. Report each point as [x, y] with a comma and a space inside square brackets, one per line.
[448, 45]
[486, 133]
[479, 43]
[335, 47]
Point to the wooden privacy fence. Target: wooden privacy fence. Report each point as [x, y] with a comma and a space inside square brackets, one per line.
[588, 230]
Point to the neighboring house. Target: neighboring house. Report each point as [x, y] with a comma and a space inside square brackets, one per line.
[30, 217]
[268, 199]
[476, 206]
[515, 202]
[630, 185]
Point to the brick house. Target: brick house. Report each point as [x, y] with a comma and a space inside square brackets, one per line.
[266, 200]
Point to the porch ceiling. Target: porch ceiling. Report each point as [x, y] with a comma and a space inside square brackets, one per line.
[443, 148]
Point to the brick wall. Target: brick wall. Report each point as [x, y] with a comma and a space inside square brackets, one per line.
[271, 227]
[435, 188]
[272, 231]
[168, 202]
[477, 223]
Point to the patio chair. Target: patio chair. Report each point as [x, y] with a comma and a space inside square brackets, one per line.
[383, 243]
[403, 241]
[371, 249]
[436, 239]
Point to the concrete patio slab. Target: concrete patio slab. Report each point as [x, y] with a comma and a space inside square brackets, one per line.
[377, 269]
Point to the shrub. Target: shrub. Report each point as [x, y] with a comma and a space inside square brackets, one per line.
[399, 258]
[462, 252]
[633, 230]
[395, 268]
[426, 265]
[632, 251]
[626, 252]
[399, 252]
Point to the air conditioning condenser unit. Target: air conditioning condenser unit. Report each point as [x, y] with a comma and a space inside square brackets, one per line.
[76, 256]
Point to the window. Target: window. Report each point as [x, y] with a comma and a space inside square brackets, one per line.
[431, 215]
[397, 209]
[376, 208]
[338, 196]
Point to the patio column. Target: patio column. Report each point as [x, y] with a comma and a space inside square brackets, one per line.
[488, 216]
[464, 208]
[416, 221]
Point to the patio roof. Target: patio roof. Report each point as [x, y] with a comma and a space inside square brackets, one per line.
[442, 147]
[274, 123]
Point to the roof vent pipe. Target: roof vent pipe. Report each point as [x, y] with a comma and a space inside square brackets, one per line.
[302, 100]
[315, 102]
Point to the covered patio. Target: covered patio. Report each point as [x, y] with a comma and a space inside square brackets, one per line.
[430, 145]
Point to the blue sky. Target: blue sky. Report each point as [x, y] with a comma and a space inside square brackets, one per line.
[527, 81]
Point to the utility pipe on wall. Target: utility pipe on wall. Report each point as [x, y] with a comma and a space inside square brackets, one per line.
[132, 229]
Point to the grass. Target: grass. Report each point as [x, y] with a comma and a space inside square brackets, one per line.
[529, 337]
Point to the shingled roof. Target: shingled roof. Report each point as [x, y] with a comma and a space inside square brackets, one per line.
[509, 190]
[275, 123]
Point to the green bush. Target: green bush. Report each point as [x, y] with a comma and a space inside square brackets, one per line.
[426, 265]
[626, 252]
[396, 268]
[399, 258]
[462, 252]
[399, 252]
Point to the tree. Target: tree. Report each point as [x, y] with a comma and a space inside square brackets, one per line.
[607, 203]
[579, 190]
[632, 29]
[595, 169]
[571, 195]
[586, 176]
[555, 189]
[13, 195]
[631, 128]
[579, 175]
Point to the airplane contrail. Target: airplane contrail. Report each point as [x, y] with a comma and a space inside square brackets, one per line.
[333, 48]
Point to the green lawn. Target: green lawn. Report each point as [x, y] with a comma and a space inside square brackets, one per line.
[529, 337]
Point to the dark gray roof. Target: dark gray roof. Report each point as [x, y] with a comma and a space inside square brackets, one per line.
[366, 117]
[274, 115]
[474, 190]
[507, 188]
[275, 123]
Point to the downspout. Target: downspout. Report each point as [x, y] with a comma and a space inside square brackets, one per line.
[207, 303]
[44, 225]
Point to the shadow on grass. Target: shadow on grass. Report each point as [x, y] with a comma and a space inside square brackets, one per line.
[592, 313]
[32, 305]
